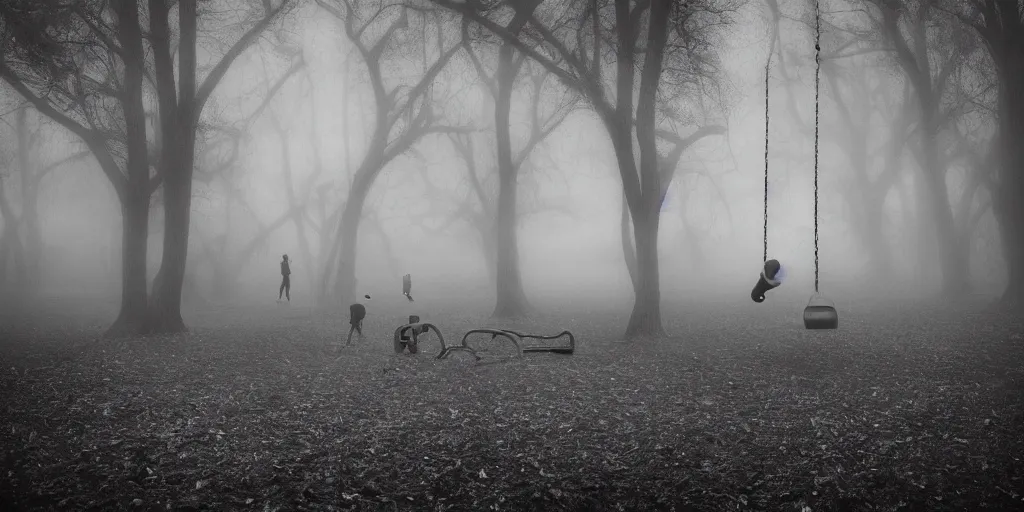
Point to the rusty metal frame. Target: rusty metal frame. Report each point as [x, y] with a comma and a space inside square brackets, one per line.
[416, 329]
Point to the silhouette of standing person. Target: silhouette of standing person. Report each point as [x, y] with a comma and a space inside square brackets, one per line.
[356, 314]
[286, 282]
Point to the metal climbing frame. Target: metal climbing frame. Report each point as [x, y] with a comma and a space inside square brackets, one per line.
[407, 338]
[555, 349]
[411, 340]
[516, 339]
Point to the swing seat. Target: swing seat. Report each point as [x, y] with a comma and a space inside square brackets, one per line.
[821, 313]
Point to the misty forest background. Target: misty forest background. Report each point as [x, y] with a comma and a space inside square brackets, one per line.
[169, 152]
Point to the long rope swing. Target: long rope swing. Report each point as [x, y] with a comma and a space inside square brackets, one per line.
[820, 313]
[767, 75]
[769, 273]
[817, 88]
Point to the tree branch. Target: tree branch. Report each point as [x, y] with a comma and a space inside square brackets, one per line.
[243, 43]
[487, 80]
[99, 33]
[292, 70]
[671, 162]
[503, 33]
[92, 138]
[425, 82]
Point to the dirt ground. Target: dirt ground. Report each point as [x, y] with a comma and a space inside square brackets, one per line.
[903, 408]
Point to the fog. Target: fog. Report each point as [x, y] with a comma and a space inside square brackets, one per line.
[304, 146]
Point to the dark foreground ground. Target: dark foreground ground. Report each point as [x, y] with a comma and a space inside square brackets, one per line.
[912, 408]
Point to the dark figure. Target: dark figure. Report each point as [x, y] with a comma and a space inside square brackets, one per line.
[286, 282]
[407, 286]
[356, 314]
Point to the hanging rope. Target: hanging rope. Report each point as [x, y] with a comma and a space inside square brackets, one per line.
[817, 80]
[767, 68]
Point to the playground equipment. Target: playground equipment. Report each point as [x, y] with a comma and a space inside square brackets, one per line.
[407, 335]
[515, 339]
[407, 338]
[567, 349]
[820, 312]
[767, 280]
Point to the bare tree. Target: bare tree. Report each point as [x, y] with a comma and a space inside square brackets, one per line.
[65, 60]
[403, 113]
[84, 65]
[669, 164]
[928, 57]
[510, 299]
[181, 107]
[22, 237]
[1000, 25]
[297, 205]
[850, 51]
[475, 200]
[869, 187]
[218, 163]
[654, 38]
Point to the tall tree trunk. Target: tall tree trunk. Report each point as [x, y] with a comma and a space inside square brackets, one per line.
[1011, 192]
[646, 316]
[1010, 63]
[626, 236]
[134, 240]
[913, 57]
[348, 237]
[488, 247]
[135, 196]
[646, 209]
[510, 299]
[178, 164]
[952, 253]
[1011, 214]
[868, 204]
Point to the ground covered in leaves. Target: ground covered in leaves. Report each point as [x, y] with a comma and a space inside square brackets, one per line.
[904, 408]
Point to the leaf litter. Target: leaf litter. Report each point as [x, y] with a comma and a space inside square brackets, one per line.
[728, 415]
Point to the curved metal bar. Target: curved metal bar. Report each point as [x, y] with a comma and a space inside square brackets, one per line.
[432, 327]
[399, 345]
[444, 352]
[511, 336]
[558, 350]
